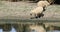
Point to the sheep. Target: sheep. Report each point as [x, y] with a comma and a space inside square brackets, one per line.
[37, 28]
[37, 12]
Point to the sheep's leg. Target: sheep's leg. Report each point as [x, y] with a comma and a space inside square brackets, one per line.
[44, 8]
[40, 15]
[33, 16]
[36, 15]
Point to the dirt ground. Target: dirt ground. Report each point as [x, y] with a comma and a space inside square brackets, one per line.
[20, 10]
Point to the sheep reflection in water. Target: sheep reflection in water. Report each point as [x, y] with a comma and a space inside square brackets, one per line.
[38, 27]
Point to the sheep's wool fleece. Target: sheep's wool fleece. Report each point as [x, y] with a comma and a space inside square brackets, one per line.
[37, 29]
[43, 3]
[37, 10]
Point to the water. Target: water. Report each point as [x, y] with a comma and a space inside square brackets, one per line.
[54, 31]
[1, 30]
[13, 30]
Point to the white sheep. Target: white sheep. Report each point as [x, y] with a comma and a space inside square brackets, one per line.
[37, 28]
[37, 12]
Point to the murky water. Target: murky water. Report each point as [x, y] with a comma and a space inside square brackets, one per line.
[54, 31]
[12, 30]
